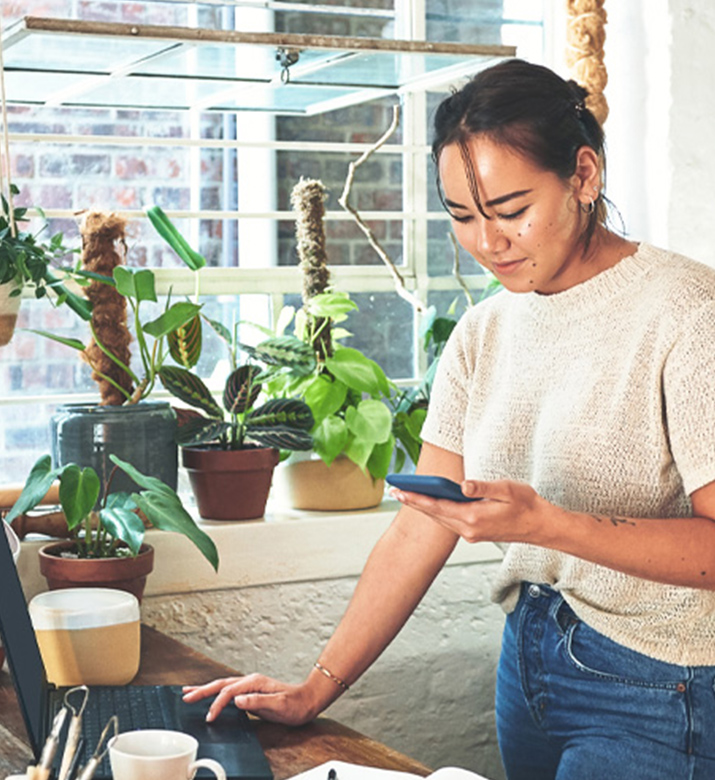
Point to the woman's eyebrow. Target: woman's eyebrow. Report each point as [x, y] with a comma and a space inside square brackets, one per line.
[504, 198]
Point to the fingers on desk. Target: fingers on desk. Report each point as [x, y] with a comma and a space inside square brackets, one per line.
[196, 692]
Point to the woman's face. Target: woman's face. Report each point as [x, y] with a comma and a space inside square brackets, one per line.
[530, 236]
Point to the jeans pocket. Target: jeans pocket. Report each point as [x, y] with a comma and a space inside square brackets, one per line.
[596, 655]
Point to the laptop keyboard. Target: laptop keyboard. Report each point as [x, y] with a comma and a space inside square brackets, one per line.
[136, 707]
[160, 707]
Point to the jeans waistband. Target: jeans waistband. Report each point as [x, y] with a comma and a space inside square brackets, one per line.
[543, 598]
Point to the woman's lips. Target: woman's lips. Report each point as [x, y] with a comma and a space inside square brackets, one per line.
[504, 269]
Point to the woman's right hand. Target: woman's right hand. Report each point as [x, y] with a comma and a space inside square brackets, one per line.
[262, 696]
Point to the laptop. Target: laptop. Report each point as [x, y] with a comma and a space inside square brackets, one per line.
[229, 739]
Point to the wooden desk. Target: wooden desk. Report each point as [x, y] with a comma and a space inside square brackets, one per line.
[289, 750]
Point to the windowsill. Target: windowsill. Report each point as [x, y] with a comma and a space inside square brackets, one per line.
[286, 546]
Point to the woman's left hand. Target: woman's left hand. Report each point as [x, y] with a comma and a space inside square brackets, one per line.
[508, 512]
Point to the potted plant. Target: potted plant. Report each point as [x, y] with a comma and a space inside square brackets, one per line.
[359, 426]
[231, 449]
[106, 546]
[25, 261]
[357, 429]
[125, 422]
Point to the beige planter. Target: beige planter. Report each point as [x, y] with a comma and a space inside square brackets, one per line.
[9, 307]
[343, 486]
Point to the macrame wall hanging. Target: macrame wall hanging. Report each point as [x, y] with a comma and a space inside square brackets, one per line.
[585, 38]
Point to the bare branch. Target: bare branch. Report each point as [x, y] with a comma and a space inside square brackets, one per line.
[457, 273]
[344, 201]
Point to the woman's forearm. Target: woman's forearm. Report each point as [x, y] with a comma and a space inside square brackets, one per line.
[674, 551]
[398, 572]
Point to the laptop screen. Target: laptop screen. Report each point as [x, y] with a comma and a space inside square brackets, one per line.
[23, 654]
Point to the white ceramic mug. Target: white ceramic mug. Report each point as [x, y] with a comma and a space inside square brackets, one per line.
[157, 754]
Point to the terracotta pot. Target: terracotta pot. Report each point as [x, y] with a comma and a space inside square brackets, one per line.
[9, 307]
[340, 487]
[230, 484]
[127, 574]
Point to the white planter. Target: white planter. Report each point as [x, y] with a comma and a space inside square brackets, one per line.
[9, 307]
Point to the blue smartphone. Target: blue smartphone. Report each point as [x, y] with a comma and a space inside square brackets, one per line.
[435, 487]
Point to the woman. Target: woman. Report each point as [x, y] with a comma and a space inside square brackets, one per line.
[580, 405]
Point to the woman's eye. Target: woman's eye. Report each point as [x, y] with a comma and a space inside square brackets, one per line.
[513, 214]
[465, 218]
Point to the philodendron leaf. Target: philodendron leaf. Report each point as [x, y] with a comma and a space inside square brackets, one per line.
[79, 491]
[359, 451]
[170, 233]
[164, 510]
[189, 388]
[41, 477]
[167, 513]
[324, 396]
[68, 342]
[330, 438]
[370, 421]
[354, 369]
[176, 316]
[378, 463]
[335, 305]
[135, 284]
[123, 524]
[143, 480]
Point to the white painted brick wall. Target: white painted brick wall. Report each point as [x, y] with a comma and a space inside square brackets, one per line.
[430, 695]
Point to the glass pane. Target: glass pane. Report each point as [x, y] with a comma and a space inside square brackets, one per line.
[96, 54]
[441, 252]
[382, 328]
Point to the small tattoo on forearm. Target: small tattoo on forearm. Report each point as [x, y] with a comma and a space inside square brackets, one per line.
[615, 521]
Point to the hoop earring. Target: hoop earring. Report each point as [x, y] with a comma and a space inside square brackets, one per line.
[588, 208]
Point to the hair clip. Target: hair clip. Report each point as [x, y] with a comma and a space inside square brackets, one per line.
[580, 107]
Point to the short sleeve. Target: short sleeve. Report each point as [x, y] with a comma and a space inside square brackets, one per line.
[689, 390]
[444, 424]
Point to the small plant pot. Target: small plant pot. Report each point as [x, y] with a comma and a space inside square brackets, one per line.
[341, 487]
[128, 574]
[230, 484]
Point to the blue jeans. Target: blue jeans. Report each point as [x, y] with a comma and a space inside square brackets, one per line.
[574, 705]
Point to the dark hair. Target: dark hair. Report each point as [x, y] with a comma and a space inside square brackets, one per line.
[532, 110]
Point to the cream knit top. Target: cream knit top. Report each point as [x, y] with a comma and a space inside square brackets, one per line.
[602, 398]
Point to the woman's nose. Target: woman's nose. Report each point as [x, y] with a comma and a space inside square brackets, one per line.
[491, 237]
